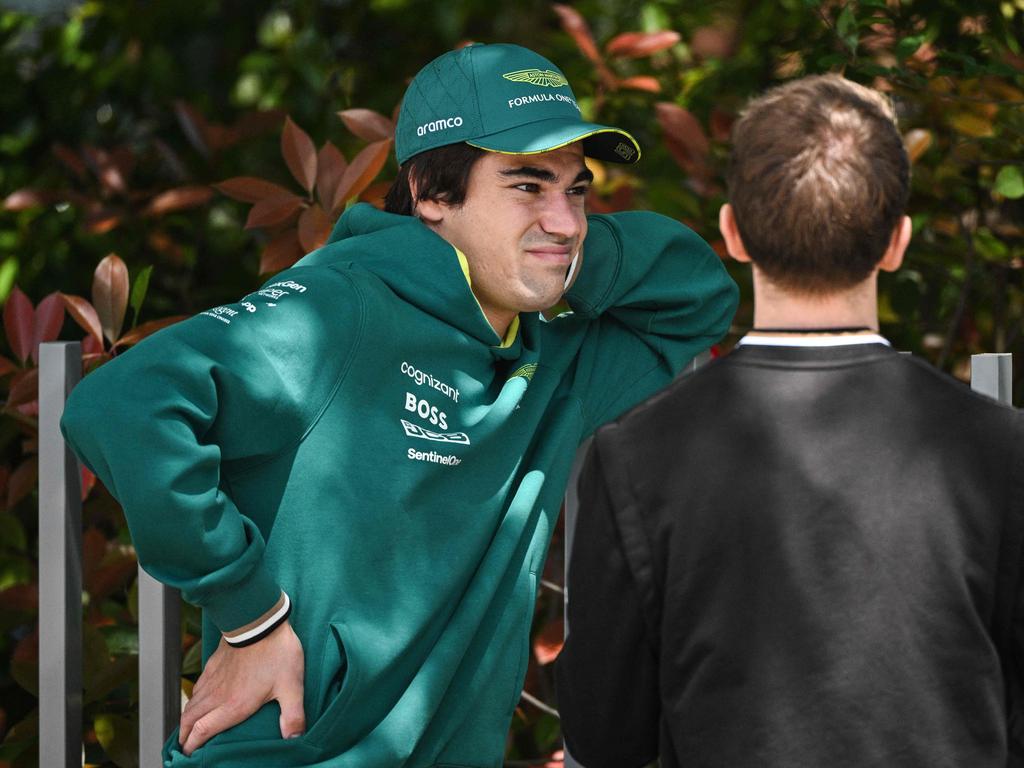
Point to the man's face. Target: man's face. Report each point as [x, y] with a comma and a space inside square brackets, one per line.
[520, 226]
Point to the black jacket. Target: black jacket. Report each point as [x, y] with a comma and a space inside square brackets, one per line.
[800, 558]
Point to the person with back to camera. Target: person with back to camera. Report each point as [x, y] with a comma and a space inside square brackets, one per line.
[355, 471]
[807, 553]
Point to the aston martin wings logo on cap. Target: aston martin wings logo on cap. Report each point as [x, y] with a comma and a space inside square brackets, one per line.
[545, 77]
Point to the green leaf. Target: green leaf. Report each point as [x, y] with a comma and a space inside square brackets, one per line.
[1010, 182]
[193, 661]
[119, 737]
[96, 659]
[124, 670]
[990, 247]
[138, 295]
[846, 26]
[122, 640]
[133, 600]
[908, 46]
[12, 533]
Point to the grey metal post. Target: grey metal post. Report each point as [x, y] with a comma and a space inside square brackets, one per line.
[60, 558]
[159, 667]
[992, 375]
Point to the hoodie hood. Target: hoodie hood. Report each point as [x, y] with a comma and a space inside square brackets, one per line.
[418, 265]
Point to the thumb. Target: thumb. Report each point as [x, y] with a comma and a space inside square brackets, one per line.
[293, 716]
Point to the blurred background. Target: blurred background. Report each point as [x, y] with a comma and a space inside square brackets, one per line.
[160, 158]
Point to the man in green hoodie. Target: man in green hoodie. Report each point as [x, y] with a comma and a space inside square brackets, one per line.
[355, 471]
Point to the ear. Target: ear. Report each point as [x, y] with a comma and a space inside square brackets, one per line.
[898, 243]
[731, 234]
[430, 212]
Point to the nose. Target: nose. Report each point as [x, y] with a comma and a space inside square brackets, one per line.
[561, 217]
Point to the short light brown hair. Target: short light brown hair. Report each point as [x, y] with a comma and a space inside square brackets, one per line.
[818, 179]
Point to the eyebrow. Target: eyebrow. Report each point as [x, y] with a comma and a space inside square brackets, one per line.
[542, 174]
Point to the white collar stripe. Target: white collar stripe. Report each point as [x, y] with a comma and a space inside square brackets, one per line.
[813, 341]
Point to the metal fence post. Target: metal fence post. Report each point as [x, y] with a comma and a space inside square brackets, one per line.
[992, 375]
[159, 667]
[60, 558]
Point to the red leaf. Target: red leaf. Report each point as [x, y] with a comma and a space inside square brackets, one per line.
[367, 124]
[548, 642]
[102, 220]
[140, 332]
[88, 482]
[720, 124]
[113, 575]
[20, 598]
[250, 189]
[314, 228]
[638, 44]
[22, 481]
[110, 294]
[94, 547]
[92, 349]
[361, 171]
[70, 159]
[107, 169]
[24, 388]
[178, 199]
[281, 252]
[331, 165]
[19, 323]
[6, 366]
[85, 315]
[23, 199]
[641, 83]
[48, 322]
[716, 42]
[375, 193]
[685, 139]
[299, 154]
[274, 211]
[194, 125]
[576, 26]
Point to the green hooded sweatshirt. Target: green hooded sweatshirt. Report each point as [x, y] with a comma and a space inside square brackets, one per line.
[356, 434]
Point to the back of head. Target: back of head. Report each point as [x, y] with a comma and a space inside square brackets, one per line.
[818, 179]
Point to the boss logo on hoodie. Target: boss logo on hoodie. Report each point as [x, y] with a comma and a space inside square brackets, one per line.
[425, 410]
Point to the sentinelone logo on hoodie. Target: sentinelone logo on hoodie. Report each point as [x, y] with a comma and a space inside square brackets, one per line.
[424, 409]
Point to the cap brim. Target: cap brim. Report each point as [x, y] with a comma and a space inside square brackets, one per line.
[599, 141]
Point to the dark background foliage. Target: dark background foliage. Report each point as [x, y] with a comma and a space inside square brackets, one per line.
[135, 136]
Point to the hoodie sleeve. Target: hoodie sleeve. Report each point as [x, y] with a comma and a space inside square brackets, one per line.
[236, 383]
[652, 295]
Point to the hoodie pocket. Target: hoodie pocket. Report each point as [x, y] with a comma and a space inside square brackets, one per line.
[337, 689]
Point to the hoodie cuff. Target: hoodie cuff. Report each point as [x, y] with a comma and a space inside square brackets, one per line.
[235, 607]
[602, 257]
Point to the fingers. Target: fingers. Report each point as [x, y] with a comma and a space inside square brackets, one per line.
[293, 716]
[210, 724]
[193, 712]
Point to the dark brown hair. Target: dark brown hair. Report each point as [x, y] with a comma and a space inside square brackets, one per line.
[439, 174]
[818, 179]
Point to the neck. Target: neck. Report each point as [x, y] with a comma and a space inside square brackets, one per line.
[777, 307]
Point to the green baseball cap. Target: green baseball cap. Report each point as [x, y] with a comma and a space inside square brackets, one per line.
[502, 98]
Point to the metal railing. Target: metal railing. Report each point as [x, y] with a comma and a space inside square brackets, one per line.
[60, 582]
